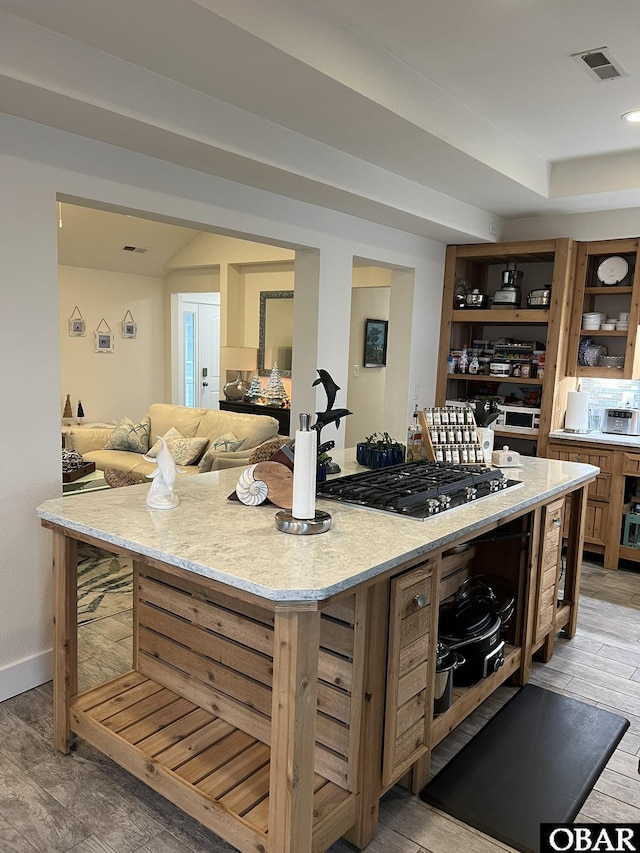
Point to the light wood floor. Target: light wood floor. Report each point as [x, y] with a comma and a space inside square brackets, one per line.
[50, 803]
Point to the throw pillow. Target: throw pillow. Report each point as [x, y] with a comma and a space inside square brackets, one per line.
[185, 451]
[226, 443]
[267, 450]
[130, 436]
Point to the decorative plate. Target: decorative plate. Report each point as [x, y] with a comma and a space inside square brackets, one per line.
[612, 270]
[585, 343]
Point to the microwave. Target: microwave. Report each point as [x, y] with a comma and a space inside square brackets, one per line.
[517, 419]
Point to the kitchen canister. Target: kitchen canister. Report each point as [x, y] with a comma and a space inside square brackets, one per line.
[577, 415]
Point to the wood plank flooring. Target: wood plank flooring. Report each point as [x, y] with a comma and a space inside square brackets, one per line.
[50, 803]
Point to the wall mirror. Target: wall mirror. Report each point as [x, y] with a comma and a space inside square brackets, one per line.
[276, 331]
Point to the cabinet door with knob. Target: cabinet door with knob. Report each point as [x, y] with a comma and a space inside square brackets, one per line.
[409, 697]
[548, 569]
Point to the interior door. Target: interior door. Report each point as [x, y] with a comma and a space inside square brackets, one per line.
[198, 350]
[209, 355]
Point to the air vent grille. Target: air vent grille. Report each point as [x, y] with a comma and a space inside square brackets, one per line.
[599, 64]
[137, 249]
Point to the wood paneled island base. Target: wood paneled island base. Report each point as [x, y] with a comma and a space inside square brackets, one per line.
[281, 684]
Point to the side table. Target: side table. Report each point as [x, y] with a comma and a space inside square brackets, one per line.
[283, 416]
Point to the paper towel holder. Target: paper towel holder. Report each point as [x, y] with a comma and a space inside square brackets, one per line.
[286, 523]
[577, 413]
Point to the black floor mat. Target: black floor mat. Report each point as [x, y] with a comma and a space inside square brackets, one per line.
[534, 762]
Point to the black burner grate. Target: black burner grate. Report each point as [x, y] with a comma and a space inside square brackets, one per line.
[416, 489]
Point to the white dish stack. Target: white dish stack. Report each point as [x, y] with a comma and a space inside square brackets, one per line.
[594, 321]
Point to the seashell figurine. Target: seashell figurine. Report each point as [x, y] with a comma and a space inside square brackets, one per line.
[249, 490]
[161, 494]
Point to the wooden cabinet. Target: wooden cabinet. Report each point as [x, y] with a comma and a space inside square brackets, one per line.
[283, 416]
[544, 262]
[410, 661]
[548, 570]
[592, 296]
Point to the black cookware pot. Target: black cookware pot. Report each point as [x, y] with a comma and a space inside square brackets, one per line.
[471, 629]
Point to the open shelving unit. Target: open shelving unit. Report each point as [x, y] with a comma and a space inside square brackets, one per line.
[543, 262]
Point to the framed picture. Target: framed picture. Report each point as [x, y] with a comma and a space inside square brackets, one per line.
[129, 329]
[76, 327]
[104, 342]
[375, 343]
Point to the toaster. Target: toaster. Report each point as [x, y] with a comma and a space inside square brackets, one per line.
[621, 421]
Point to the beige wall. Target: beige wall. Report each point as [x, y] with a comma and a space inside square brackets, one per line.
[122, 383]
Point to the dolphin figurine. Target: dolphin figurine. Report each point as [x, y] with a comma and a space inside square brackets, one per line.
[330, 416]
[330, 387]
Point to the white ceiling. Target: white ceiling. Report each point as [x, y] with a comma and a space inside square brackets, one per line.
[392, 111]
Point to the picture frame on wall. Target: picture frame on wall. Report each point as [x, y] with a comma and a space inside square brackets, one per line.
[104, 342]
[129, 326]
[77, 328]
[375, 343]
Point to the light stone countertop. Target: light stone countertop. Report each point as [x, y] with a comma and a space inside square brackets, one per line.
[597, 437]
[239, 545]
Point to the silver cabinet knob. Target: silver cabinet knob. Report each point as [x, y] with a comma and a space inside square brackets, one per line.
[421, 599]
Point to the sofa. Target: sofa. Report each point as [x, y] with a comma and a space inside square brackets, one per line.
[207, 439]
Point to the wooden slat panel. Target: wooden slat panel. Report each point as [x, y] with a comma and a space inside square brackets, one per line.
[336, 637]
[409, 745]
[209, 698]
[336, 703]
[240, 658]
[413, 655]
[174, 732]
[411, 712]
[206, 615]
[224, 750]
[410, 684]
[234, 771]
[343, 610]
[211, 673]
[332, 734]
[204, 737]
[143, 729]
[141, 710]
[202, 592]
[108, 689]
[247, 795]
[125, 700]
[335, 670]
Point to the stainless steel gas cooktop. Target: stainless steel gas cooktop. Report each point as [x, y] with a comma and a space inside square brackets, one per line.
[417, 490]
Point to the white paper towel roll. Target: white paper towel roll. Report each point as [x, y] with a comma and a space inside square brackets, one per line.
[577, 417]
[304, 473]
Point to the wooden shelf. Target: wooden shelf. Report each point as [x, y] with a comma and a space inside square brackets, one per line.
[504, 433]
[530, 316]
[598, 333]
[209, 768]
[486, 377]
[627, 553]
[601, 372]
[465, 699]
[609, 291]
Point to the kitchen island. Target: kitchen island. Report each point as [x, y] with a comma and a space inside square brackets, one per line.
[281, 684]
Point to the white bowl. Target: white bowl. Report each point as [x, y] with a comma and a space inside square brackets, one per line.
[591, 327]
[608, 327]
[592, 315]
[622, 327]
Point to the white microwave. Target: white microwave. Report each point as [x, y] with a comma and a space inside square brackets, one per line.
[517, 419]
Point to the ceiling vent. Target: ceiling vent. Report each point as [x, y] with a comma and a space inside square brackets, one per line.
[599, 64]
[138, 249]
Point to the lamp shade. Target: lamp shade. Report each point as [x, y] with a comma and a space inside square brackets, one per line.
[239, 358]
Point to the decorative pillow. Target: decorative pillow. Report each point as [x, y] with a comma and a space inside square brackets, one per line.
[130, 436]
[185, 451]
[226, 443]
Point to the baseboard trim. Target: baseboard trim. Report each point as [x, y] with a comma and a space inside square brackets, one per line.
[25, 674]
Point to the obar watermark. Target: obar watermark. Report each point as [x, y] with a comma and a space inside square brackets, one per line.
[586, 837]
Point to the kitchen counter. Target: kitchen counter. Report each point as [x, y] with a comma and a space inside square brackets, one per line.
[597, 437]
[226, 541]
[281, 684]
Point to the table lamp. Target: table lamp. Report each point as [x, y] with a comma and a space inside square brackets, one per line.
[240, 359]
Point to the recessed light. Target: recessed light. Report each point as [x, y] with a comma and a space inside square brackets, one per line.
[632, 115]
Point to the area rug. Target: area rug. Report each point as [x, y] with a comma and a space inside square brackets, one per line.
[534, 762]
[105, 584]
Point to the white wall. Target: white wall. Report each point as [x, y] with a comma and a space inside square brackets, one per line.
[36, 164]
[122, 383]
[365, 394]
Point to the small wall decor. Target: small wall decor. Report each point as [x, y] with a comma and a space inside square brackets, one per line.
[77, 325]
[375, 343]
[129, 326]
[103, 337]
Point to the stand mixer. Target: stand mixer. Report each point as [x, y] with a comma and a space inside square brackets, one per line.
[510, 294]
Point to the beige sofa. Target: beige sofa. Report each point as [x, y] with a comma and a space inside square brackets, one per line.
[209, 424]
